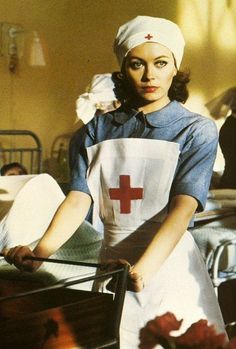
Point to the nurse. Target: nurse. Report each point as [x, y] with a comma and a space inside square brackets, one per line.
[146, 167]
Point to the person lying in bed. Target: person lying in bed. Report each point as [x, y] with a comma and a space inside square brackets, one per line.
[13, 169]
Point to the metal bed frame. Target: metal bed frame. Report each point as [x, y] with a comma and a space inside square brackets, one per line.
[29, 156]
[112, 338]
[224, 283]
[213, 265]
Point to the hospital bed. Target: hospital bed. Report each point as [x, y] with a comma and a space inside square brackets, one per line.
[215, 235]
[21, 146]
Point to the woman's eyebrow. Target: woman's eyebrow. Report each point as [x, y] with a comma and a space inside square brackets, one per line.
[162, 56]
[142, 59]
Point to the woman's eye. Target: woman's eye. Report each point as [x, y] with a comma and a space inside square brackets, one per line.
[136, 65]
[161, 64]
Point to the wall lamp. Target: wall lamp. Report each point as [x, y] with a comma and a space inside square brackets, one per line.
[12, 42]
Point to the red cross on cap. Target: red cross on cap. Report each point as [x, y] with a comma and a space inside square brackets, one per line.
[148, 37]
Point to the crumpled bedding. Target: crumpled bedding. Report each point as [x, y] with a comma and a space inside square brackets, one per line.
[216, 225]
[83, 246]
[33, 202]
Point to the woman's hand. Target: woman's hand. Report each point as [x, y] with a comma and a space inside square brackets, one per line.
[18, 256]
[134, 282]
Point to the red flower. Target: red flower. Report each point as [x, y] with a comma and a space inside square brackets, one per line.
[163, 325]
[157, 331]
[201, 335]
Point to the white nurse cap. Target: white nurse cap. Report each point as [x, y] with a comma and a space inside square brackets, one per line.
[149, 29]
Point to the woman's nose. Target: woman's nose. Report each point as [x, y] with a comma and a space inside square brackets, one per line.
[149, 73]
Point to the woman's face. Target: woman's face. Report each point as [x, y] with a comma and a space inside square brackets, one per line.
[149, 69]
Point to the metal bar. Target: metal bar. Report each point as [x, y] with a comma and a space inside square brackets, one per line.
[10, 155]
[216, 279]
[32, 161]
[119, 300]
[7, 150]
[112, 343]
[60, 261]
[36, 139]
[61, 284]
[21, 156]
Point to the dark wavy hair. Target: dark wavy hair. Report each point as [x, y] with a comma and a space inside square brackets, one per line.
[178, 90]
[10, 166]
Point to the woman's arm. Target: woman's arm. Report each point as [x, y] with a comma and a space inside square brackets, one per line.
[70, 214]
[171, 230]
[68, 217]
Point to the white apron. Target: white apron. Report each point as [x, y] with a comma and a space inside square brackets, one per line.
[130, 181]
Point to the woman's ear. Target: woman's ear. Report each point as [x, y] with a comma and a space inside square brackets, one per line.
[120, 76]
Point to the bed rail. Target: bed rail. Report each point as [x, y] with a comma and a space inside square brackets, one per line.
[21, 146]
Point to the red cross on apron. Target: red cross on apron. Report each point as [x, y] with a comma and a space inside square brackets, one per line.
[148, 37]
[125, 194]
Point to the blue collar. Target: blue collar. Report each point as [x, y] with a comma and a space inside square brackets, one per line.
[160, 118]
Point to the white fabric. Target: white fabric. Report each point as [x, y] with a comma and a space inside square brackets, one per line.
[222, 104]
[100, 95]
[31, 202]
[211, 235]
[222, 194]
[149, 29]
[227, 203]
[220, 202]
[35, 200]
[10, 186]
[148, 167]
[182, 285]
[220, 206]
[84, 245]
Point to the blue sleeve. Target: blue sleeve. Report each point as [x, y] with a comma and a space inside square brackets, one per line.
[194, 170]
[79, 170]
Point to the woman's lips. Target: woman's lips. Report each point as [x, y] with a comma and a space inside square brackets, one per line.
[150, 89]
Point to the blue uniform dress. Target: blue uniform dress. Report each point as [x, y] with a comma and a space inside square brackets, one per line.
[196, 135]
[132, 164]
